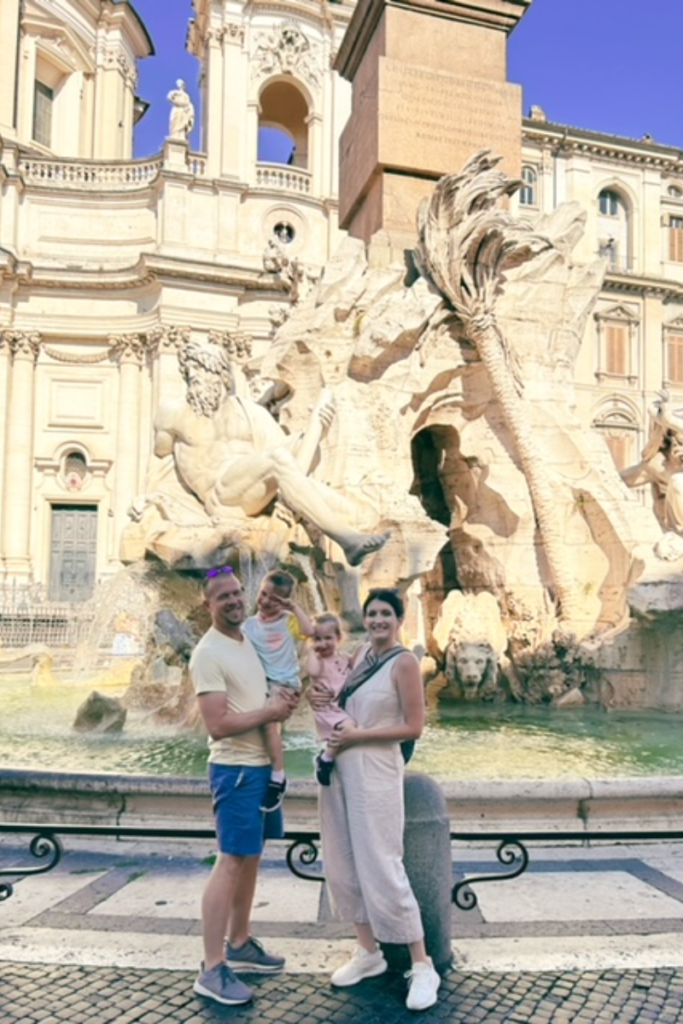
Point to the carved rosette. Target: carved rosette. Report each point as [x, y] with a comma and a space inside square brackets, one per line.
[128, 348]
[285, 50]
[22, 344]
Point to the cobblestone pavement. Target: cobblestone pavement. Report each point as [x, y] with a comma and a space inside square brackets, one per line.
[586, 936]
[88, 995]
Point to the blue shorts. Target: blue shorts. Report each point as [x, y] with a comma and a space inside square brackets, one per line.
[238, 792]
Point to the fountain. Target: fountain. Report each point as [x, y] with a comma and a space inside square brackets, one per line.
[426, 440]
[410, 424]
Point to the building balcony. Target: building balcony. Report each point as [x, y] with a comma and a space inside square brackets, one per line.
[98, 175]
[283, 178]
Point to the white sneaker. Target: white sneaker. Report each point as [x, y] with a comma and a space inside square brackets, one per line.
[361, 965]
[424, 984]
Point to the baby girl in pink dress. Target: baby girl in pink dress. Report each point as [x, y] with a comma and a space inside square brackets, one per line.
[327, 666]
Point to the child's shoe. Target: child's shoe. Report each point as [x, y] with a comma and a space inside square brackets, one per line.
[323, 770]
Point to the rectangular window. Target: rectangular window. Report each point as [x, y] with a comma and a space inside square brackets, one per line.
[676, 239]
[42, 114]
[674, 357]
[616, 350]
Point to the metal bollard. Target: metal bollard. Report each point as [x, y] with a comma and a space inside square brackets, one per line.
[427, 859]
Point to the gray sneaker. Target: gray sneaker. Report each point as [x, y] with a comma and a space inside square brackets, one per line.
[221, 985]
[252, 957]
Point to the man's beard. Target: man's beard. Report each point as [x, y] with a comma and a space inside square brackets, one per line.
[206, 399]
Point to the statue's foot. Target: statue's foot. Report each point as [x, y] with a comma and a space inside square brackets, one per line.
[355, 553]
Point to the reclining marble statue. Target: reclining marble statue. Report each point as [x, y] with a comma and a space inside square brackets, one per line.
[231, 454]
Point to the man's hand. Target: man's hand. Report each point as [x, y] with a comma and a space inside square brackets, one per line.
[282, 704]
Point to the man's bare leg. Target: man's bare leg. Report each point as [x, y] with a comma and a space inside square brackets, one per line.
[240, 912]
[242, 484]
[218, 904]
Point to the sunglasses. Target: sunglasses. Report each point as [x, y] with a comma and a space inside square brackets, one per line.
[210, 573]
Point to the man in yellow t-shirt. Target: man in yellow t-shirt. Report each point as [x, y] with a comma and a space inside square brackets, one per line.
[233, 701]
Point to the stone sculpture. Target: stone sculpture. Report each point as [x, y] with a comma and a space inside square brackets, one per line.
[452, 430]
[181, 120]
[233, 458]
[661, 465]
[467, 643]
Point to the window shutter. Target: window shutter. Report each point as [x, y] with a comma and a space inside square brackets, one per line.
[674, 357]
[676, 244]
[616, 340]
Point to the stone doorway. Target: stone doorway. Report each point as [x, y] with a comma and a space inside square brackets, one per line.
[73, 552]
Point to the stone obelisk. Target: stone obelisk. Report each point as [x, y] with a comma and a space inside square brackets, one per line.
[429, 86]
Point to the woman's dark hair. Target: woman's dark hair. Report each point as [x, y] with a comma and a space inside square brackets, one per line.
[390, 596]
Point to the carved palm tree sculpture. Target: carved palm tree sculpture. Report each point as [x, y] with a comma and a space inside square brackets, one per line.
[466, 243]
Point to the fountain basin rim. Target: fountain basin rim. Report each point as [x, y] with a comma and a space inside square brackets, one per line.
[664, 787]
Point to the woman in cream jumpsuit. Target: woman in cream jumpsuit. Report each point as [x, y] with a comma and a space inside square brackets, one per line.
[362, 809]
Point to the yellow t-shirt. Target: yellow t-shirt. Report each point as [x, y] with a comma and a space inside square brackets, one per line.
[220, 664]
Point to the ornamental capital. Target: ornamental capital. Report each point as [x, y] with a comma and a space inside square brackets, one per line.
[129, 348]
[168, 338]
[238, 345]
[25, 344]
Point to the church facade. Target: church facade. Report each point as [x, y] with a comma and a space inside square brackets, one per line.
[109, 264]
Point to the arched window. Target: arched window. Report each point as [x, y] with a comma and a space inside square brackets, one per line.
[620, 430]
[283, 126]
[528, 194]
[614, 229]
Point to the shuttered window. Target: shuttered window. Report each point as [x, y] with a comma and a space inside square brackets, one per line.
[676, 239]
[674, 357]
[616, 350]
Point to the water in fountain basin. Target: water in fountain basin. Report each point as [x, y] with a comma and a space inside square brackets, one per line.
[463, 742]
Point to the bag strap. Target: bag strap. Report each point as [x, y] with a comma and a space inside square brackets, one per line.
[362, 673]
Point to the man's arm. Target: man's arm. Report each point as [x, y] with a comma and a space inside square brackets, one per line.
[221, 721]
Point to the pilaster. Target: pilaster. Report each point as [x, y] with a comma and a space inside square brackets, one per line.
[18, 469]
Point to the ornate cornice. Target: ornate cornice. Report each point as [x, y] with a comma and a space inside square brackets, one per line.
[564, 139]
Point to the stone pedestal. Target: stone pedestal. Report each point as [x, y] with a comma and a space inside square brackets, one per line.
[429, 90]
[427, 859]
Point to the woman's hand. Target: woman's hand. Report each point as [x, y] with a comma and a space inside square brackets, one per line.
[344, 734]
[319, 696]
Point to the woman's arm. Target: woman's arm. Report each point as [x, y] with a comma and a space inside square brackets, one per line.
[408, 681]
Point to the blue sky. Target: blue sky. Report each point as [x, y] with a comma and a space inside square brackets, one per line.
[608, 65]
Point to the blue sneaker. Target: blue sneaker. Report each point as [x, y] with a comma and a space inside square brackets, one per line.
[221, 985]
[252, 957]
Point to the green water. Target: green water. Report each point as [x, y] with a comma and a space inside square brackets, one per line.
[464, 742]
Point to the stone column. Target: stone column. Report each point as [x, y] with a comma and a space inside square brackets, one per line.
[18, 469]
[129, 349]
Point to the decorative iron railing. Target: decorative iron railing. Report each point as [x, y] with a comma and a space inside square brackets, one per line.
[283, 178]
[28, 618]
[303, 850]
